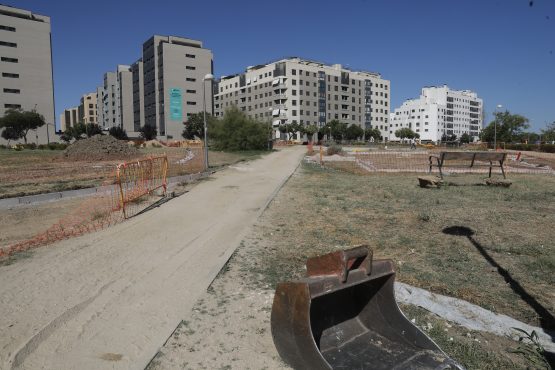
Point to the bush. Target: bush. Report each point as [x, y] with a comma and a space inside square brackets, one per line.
[52, 146]
[546, 148]
[118, 132]
[148, 132]
[236, 131]
[334, 149]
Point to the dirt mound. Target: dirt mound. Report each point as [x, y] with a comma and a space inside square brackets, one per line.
[99, 148]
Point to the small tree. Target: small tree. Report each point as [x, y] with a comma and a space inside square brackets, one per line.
[236, 131]
[548, 133]
[337, 129]
[405, 133]
[508, 127]
[10, 134]
[118, 132]
[310, 130]
[194, 127]
[465, 138]
[18, 123]
[373, 132]
[148, 132]
[354, 132]
[92, 129]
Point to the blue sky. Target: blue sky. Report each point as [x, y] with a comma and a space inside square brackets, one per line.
[502, 49]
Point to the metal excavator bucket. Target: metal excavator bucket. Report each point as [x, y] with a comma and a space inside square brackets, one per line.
[343, 315]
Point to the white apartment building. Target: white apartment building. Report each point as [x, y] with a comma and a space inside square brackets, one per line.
[437, 112]
[306, 92]
[26, 67]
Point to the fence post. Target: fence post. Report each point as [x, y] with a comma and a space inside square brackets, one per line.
[321, 155]
[118, 179]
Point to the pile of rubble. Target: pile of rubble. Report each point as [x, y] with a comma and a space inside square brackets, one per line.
[100, 148]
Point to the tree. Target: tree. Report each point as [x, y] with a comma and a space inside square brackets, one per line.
[465, 138]
[235, 131]
[310, 130]
[194, 127]
[405, 133]
[92, 129]
[18, 123]
[148, 132]
[10, 134]
[373, 132]
[290, 128]
[548, 134]
[353, 132]
[336, 128]
[509, 127]
[118, 132]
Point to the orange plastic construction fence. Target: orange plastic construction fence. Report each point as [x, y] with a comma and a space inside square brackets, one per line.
[139, 178]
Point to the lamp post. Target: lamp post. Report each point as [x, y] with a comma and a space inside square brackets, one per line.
[208, 77]
[499, 106]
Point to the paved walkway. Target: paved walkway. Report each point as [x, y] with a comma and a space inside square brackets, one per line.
[109, 300]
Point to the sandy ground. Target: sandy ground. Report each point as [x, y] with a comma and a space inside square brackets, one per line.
[24, 222]
[109, 300]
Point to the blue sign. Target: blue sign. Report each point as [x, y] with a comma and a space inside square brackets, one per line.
[176, 105]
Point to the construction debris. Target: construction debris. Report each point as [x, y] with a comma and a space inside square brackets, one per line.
[98, 148]
[429, 181]
[498, 182]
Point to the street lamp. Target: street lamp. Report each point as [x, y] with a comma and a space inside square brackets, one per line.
[208, 77]
[499, 106]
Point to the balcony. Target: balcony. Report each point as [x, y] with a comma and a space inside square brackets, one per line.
[280, 96]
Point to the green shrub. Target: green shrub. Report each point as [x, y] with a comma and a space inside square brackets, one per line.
[334, 149]
[546, 148]
[235, 131]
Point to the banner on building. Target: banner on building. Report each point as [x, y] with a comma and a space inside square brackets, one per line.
[176, 104]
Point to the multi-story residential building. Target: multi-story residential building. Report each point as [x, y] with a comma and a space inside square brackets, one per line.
[437, 112]
[108, 102]
[173, 82]
[138, 95]
[26, 66]
[88, 108]
[69, 118]
[307, 92]
[115, 97]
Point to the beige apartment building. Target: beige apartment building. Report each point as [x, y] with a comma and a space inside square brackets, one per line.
[88, 108]
[26, 67]
[173, 83]
[306, 92]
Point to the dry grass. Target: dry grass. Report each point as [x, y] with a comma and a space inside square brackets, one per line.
[30, 172]
[322, 209]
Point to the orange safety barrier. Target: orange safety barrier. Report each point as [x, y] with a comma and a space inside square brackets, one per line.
[139, 178]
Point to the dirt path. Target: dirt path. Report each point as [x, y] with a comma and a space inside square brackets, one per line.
[111, 299]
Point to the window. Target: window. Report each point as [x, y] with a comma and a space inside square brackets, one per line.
[191, 91]
[192, 56]
[10, 75]
[12, 106]
[194, 80]
[9, 44]
[7, 28]
[12, 91]
[191, 103]
[91, 113]
[10, 60]
[90, 105]
[191, 68]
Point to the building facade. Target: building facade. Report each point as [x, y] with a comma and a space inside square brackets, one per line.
[295, 90]
[173, 83]
[26, 67]
[69, 118]
[88, 108]
[439, 112]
